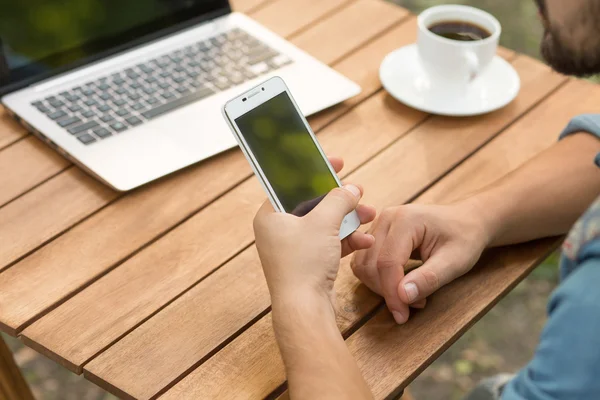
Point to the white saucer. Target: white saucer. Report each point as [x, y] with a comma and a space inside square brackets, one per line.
[403, 77]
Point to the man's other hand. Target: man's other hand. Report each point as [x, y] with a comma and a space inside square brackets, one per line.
[449, 240]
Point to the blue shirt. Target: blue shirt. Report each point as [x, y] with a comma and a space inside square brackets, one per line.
[587, 230]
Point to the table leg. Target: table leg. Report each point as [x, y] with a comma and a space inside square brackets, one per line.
[12, 383]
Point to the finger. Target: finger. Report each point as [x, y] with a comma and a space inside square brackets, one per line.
[420, 283]
[364, 263]
[419, 304]
[337, 163]
[336, 205]
[394, 254]
[263, 212]
[265, 209]
[261, 216]
[368, 259]
[368, 277]
[357, 241]
[366, 213]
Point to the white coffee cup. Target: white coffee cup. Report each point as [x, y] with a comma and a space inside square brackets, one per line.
[454, 64]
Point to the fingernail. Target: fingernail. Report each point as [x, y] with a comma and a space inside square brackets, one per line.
[411, 291]
[399, 317]
[353, 189]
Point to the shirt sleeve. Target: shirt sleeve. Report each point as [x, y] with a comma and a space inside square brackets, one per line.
[584, 123]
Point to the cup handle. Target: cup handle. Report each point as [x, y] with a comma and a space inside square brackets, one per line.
[472, 64]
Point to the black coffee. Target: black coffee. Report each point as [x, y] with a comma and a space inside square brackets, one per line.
[460, 30]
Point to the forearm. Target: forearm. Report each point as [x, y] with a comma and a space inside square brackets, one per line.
[317, 361]
[544, 197]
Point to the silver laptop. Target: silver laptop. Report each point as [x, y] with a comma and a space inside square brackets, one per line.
[131, 90]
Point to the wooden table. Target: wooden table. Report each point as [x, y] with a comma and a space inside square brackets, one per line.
[159, 292]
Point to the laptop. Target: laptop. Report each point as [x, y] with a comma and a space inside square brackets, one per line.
[131, 90]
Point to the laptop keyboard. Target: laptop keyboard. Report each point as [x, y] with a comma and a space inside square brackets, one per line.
[112, 104]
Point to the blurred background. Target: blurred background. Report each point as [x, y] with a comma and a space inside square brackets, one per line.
[502, 341]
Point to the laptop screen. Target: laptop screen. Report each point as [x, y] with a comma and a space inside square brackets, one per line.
[39, 38]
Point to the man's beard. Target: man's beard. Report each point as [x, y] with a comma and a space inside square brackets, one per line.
[582, 61]
[564, 59]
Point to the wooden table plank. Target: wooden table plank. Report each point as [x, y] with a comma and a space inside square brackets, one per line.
[122, 299]
[222, 377]
[248, 6]
[35, 212]
[124, 364]
[345, 136]
[41, 166]
[179, 195]
[207, 297]
[367, 76]
[10, 131]
[305, 14]
[427, 153]
[515, 146]
[86, 196]
[91, 248]
[506, 53]
[361, 21]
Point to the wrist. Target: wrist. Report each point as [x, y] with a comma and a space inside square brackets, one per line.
[481, 218]
[301, 300]
[300, 318]
[302, 310]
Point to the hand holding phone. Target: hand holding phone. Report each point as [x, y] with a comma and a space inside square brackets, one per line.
[301, 256]
[283, 151]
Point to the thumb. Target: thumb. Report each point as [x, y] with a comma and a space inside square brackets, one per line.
[420, 283]
[337, 204]
[265, 210]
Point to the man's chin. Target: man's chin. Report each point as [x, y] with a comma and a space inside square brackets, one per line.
[565, 60]
[558, 62]
[566, 65]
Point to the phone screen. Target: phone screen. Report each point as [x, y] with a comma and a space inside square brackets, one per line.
[287, 154]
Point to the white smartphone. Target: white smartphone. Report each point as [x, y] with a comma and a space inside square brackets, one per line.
[283, 150]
